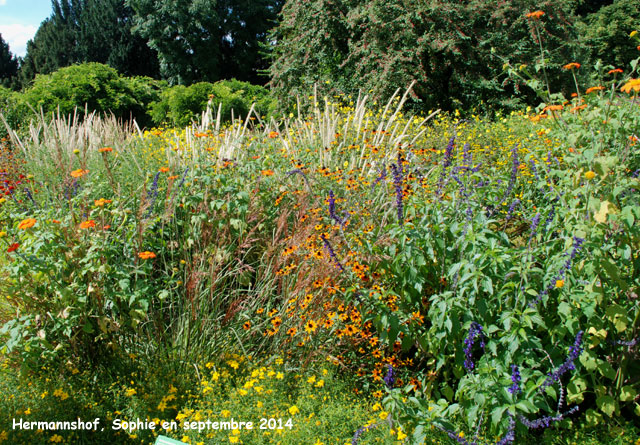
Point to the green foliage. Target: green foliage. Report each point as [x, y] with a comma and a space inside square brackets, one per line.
[8, 64]
[450, 49]
[606, 33]
[206, 41]
[180, 106]
[97, 86]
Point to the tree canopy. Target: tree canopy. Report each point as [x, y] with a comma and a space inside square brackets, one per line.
[8, 64]
[206, 39]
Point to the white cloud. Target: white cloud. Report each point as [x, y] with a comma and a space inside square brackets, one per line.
[17, 35]
[3, 2]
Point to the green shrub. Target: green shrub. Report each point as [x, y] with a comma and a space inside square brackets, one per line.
[98, 87]
[181, 105]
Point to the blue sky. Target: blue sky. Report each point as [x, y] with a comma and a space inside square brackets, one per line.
[19, 21]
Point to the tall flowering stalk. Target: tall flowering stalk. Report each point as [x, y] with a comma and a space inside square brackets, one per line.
[397, 182]
[568, 365]
[448, 157]
[474, 331]
[332, 254]
[152, 195]
[577, 246]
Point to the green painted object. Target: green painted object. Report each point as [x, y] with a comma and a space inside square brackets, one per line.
[164, 440]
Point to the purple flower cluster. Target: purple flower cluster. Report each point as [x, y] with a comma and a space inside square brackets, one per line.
[515, 379]
[448, 156]
[577, 246]
[332, 254]
[574, 353]
[534, 225]
[390, 378]
[152, 195]
[332, 207]
[397, 181]
[546, 421]
[510, 436]
[474, 331]
[512, 207]
[359, 432]
[382, 177]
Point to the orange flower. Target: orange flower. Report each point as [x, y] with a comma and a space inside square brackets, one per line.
[267, 172]
[101, 202]
[273, 134]
[631, 85]
[87, 224]
[105, 150]
[172, 178]
[614, 71]
[55, 221]
[572, 65]
[27, 223]
[13, 247]
[535, 14]
[552, 108]
[592, 89]
[310, 326]
[78, 173]
[146, 255]
[164, 170]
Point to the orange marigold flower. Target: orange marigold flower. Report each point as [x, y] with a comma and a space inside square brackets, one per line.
[164, 169]
[592, 89]
[87, 224]
[146, 255]
[27, 223]
[78, 173]
[101, 202]
[631, 85]
[55, 221]
[535, 14]
[614, 71]
[572, 65]
[267, 172]
[553, 108]
[13, 247]
[273, 134]
[105, 150]
[172, 178]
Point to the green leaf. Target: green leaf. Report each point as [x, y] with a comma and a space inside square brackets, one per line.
[607, 405]
[627, 393]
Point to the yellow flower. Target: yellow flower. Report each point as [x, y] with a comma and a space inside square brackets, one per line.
[320, 384]
[401, 435]
[383, 415]
[234, 364]
[590, 175]
[3, 234]
[234, 439]
[293, 410]
[633, 34]
[559, 283]
[55, 438]
[225, 413]
[130, 392]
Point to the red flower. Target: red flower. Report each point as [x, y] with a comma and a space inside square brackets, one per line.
[13, 247]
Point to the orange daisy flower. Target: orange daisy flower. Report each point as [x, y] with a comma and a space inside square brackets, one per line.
[592, 89]
[535, 15]
[87, 224]
[267, 172]
[614, 71]
[273, 134]
[101, 202]
[146, 255]
[105, 150]
[572, 65]
[27, 223]
[164, 169]
[78, 173]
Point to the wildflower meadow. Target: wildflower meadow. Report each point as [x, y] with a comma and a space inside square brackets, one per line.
[345, 272]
